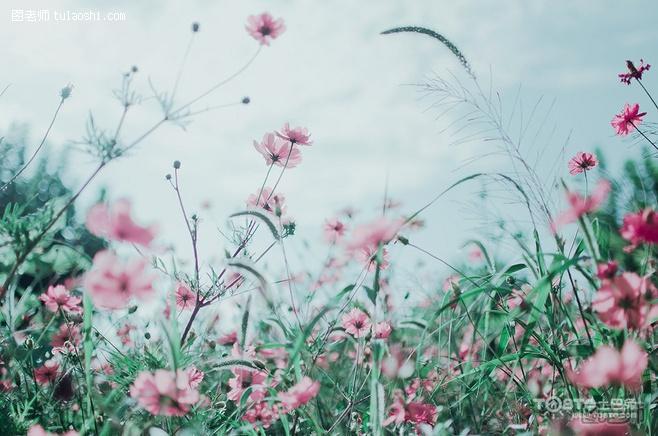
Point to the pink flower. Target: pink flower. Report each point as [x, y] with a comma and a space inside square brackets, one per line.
[610, 367]
[580, 206]
[124, 334]
[607, 270]
[271, 203]
[640, 227]
[117, 224]
[261, 414]
[582, 161]
[295, 135]
[396, 411]
[164, 392]
[245, 378]
[633, 72]
[625, 301]
[382, 330]
[185, 298]
[334, 230]
[300, 394]
[278, 152]
[264, 28]
[356, 322]
[66, 333]
[47, 373]
[195, 376]
[369, 236]
[228, 339]
[628, 119]
[421, 413]
[112, 283]
[57, 297]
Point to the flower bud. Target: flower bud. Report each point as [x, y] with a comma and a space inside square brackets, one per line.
[176, 164]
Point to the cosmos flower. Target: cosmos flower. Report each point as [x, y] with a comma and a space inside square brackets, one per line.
[299, 394]
[356, 322]
[264, 28]
[116, 223]
[112, 283]
[625, 301]
[581, 162]
[580, 205]
[628, 119]
[185, 298]
[609, 366]
[278, 152]
[633, 72]
[295, 135]
[47, 373]
[58, 297]
[640, 227]
[334, 229]
[164, 392]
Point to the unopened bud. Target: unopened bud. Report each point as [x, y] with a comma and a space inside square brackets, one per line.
[66, 91]
[176, 164]
[195, 27]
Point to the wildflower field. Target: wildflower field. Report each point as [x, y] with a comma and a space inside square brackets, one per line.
[105, 330]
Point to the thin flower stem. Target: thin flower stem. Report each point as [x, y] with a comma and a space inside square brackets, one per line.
[647, 92]
[218, 85]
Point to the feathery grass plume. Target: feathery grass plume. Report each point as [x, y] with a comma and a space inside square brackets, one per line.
[445, 41]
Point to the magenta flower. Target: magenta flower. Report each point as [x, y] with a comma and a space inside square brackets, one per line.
[264, 28]
[580, 205]
[640, 227]
[607, 270]
[421, 413]
[625, 301]
[47, 373]
[117, 224]
[582, 161]
[611, 367]
[112, 283]
[185, 298]
[295, 135]
[164, 392]
[58, 297]
[300, 394]
[356, 322]
[628, 119]
[278, 152]
[633, 72]
[334, 230]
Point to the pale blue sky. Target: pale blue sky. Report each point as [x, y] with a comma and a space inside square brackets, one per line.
[332, 72]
